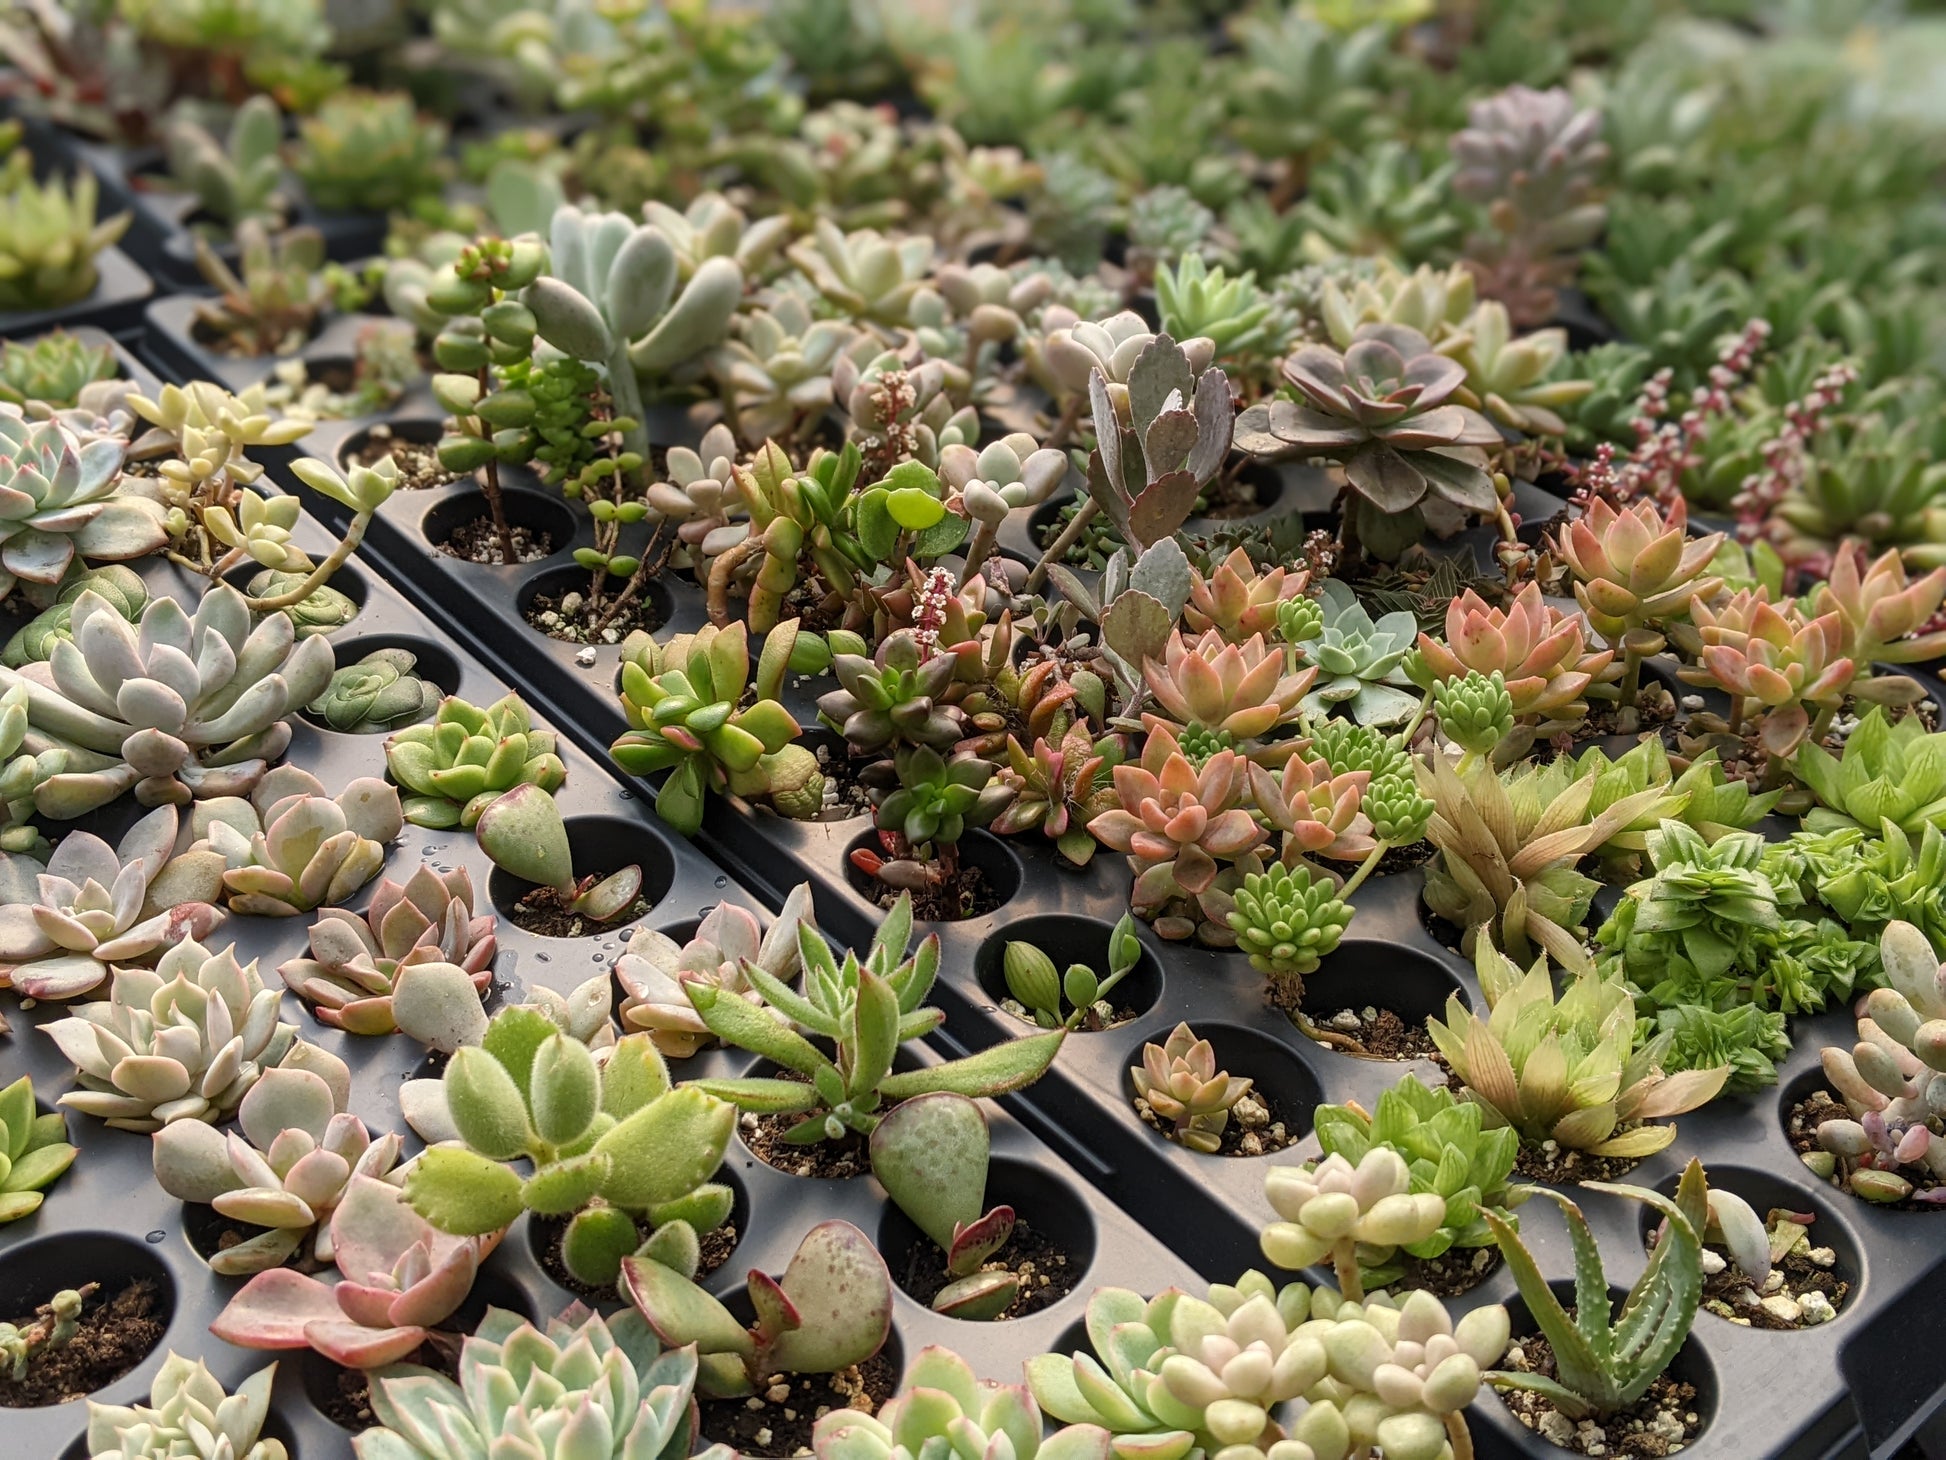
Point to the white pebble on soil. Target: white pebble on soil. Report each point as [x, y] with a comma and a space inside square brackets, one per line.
[1783, 1307]
[1814, 1307]
[1822, 1256]
[1713, 1263]
[1557, 1427]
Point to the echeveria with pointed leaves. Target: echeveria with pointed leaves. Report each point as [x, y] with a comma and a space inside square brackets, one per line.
[930, 1155]
[654, 969]
[867, 1010]
[188, 1417]
[453, 766]
[63, 929]
[609, 1144]
[831, 1309]
[585, 1385]
[286, 1170]
[400, 1278]
[942, 1409]
[179, 706]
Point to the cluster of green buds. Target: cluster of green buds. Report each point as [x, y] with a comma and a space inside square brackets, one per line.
[1475, 711]
[1040, 989]
[484, 329]
[1287, 919]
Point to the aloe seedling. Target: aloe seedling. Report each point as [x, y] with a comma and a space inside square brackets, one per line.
[610, 1146]
[831, 1309]
[866, 1010]
[1040, 989]
[524, 835]
[930, 1155]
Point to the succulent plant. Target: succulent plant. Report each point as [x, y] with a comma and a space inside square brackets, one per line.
[1475, 712]
[700, 495]
[114, 697]
[684, 700]
[1008, 474]
[36, 1148]
[286, 1169]
[379, 692]
[1539, 652]
[1885, 616]
[1328, 1208]
[1605, 1361]
[60, 504]
[1383, 199]
[582, 1374]
[185, 1041]
[942, 1405]
[355, 958]
[611, 1145]
[93, 908]
[1239, 602]
[1317, 812]
[291, 848]
[1878, 484]
[1776, 665]
[1181, 1083]
[238, 176]
[1287, 919]
[1040, 989]
[1195, 300]
[930, 1155]
[923, 818]
[121, 587]
[1216, 696]
[1359, 660]
[49, 236]
[53, 369]
[367, 151]
[1176, 823]
[775, 369]
[1059, 789]
[1891, 1082]
[1516, 381]
[1448, 1153]
[188, 1417]
[400, 1277]
[895, 698]
[863, 274]
[453, 766]
[524, 834]
[834, 1276]
[1635, 567]
[1891, 771]
[270, 303]
[654, 969]
[1383, 409]
[1431, 301]
[1588, 1031]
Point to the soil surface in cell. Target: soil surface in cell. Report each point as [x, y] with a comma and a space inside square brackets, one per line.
[113, 1336]
[1661, 1422]
[779, 1417]
[546, 913]
[476, 541]
[1046, 1272]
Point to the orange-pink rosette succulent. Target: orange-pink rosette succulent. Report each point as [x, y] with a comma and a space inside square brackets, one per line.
[1881, 610]
[1238, 601]
[1316, 811]
[1633, 566]
[1176, 824]
[1541, 652]
[1774, 660]
[1233, 694]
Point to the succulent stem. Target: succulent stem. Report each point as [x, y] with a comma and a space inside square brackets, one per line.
[723, 571]
[321, 574]
[976, 551]
[1084, 514]
[1365, 870]
[1344, 1262]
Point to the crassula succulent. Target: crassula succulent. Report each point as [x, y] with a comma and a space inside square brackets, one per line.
[399, 1277]
[355, 958]
[285, 1170]
[180, 705]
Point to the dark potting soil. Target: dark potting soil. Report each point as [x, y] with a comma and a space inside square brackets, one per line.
[716, 1246]
[966, 893]
[113, 1336]
[1560, 1166]
[477, 542]
[572, 619]
[844, 796]
[1370, 1031]
[779, 1417]
[418, 461]
[347, 1402]
[838, 1160]
[1801, 1128]
[1661, 1422]
[1655, 707]
[1046, 1272]
[1257, 1126]
[210, 1232]
[545, 913]
[1228, 497]
[1727, 1293]
[1456, 1270]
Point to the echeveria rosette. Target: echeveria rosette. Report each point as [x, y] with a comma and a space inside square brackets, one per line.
[1317, 812]
[1181, 1083]
[942, 1408]
[1240, 602]
[58, 502]
[1887, 617]
[63, 929]
[379, 692]
[290, 848]
[1540, 652]
[1216, 695]
[179, 706]
[1359, 660]
[1891, 771]
[188, 1417]
[1383, 409]
[355, 958]
[1635, 567]
[654, 970]
[1329, 1207]
[285, 1170]
[452, 767]
[598, 1384]
[399, 1278]
[1774, 662]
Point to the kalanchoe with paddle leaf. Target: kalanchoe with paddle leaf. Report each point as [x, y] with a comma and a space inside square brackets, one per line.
[188, 1417]
[1893, 1081]
[1604, 1362]
[523, 833]
[610, 1146]
[930, 1155]
[654, 969]
[1182, 1084]
[355, 958]
[1589, 1031]
[1383, 409]
[835, 1279]
[543, 1388]
[399, 1278]
[453, 766]
[66, 927]
[285, 1170]
[864, 1010]
[36, 1147]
